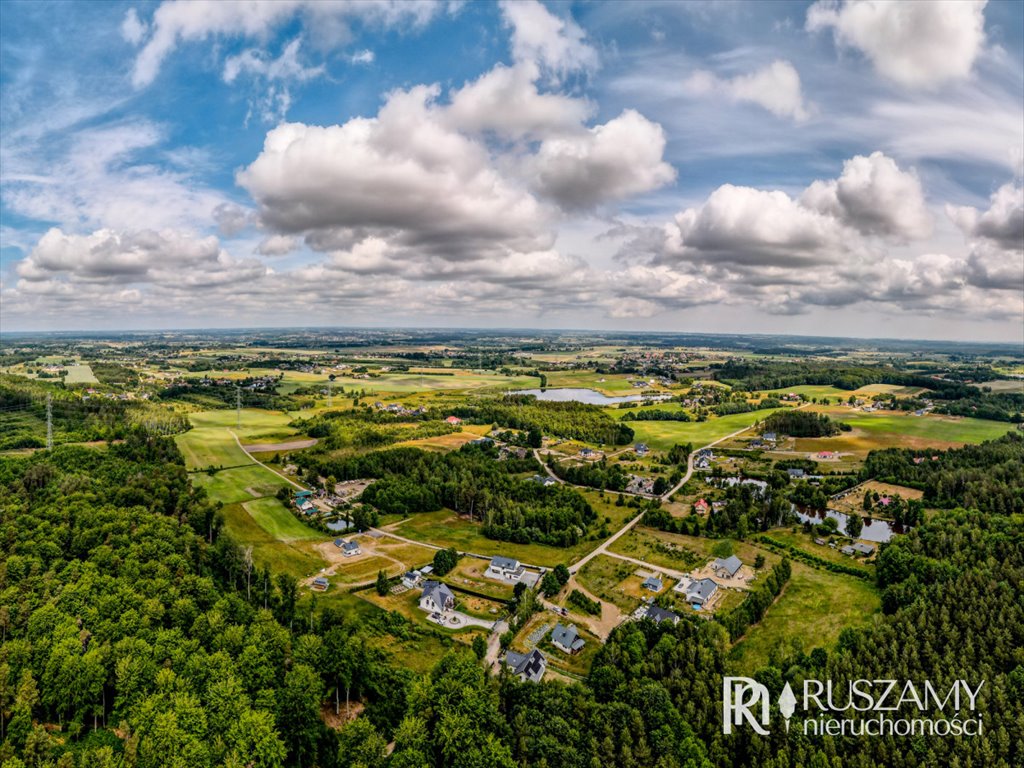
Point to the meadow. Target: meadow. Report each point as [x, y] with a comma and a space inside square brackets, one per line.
[812, 610]
[890, 429]
[662, 435]
[80, 374]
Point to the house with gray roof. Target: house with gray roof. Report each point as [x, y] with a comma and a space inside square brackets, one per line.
[567, 639]
[728, 567]
[700, 592]
[795, 474]
[351, 548]
[857, 549]
[528, 667]
[320, 584]
[653, 583]
[436, 597]
[505, 569]
[657, 614]
[411, 579]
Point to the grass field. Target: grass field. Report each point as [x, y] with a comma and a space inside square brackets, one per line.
[239, 484]
[812, 610]
[901, 430]
[409, 382]
[210, 444]
[80, 374]
[662, 435]
[272, 516]
[608, 578]
[297, 558]
[649, 545]
[445, 529]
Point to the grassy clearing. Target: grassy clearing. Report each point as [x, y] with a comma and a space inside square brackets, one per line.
[296, 558]
[662, 435]
[271, 515]
[657, 547]
[469, 575]
[445, 529]
[80, 374]
[805, 542]
[239, 483]
[609, 578]
[210, 443]
[607, 384]
[811, 612]
[872, 431]
[363, 568]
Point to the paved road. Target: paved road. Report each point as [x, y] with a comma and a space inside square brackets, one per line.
[603, 549]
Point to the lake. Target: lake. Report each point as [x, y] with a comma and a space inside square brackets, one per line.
[874, 529]
[589, 396]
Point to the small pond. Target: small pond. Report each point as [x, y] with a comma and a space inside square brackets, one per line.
[589, 396]
[875, 529]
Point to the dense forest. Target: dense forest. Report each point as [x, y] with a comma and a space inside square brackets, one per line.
[988, 477]
[473, 482]
[23, 408]
[135, 626]
[576, 421]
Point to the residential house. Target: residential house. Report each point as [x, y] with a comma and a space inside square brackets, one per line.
[412, 579]
[528, 667]
[795, 474]
[769, 437]
[505, 568]
[719, 506]
[454, 420]
[726, 568]
[567, 639]
[700, 507]
[320, 584]
[351, 549]
[641, 449]
[700, 592]
[436, 597]
[658, 614]
[821, 542]
[863, 549]
[339, 543]
[653, 583]
[544, 480]
[847, 550]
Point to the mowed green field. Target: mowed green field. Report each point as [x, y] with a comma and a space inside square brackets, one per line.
[210, 443]
[80, 374]
[272, 516]
[812, 610]
[662, 435]
[252, 513]
[887, 429]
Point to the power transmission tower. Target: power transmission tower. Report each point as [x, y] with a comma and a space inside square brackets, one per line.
[238, 407]
[49, 421]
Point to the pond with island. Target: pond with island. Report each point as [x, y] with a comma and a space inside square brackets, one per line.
[875, 529]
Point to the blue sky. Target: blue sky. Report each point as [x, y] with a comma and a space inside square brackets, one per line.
[837, 168]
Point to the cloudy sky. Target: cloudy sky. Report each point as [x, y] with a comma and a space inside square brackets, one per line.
[834, 168]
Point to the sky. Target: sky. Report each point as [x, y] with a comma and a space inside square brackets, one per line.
[829, 168]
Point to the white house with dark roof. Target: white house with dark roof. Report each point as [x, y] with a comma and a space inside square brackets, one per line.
[351, 548]
[726, 568]
[505, 569]
[567, 639]
[436, 597]
[528, 667]
[411, 579]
